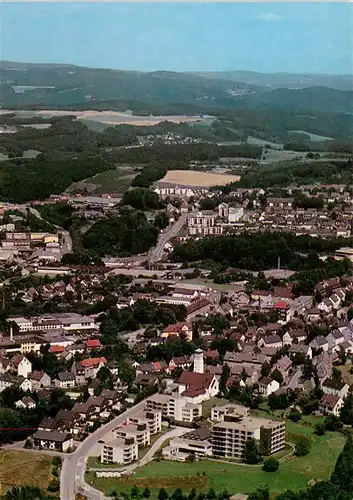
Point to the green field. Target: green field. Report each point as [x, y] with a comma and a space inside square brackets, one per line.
[117, 181]
[110, 181]
[215, 286]
[294, 473]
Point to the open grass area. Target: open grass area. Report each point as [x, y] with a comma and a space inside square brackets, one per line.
[21, 468]
[117, 180]
[294, 473]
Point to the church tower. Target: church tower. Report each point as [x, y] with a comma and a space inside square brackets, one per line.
[198, 361]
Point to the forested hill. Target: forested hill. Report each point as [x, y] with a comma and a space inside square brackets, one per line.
[64, 85]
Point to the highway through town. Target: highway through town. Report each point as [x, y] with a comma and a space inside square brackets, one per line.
[170, 232]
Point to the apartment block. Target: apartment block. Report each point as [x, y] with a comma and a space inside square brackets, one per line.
[229, 411]
[176, 408]
[229, 437]
[153, 420]
[140, 433]
[120, 451]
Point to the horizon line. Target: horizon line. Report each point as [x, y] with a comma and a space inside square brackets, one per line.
[196, 71]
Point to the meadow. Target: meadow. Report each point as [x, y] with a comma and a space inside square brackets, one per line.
[20, 468]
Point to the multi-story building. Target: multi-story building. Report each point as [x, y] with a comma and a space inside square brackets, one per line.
[229, 437]
[203, 224]
[120, 451]
[174, 407]
[140, 433]
[153, 420]
[218, 413]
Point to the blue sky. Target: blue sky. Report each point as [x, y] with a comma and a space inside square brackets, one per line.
[268, 37]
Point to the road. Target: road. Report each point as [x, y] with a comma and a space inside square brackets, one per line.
[169, 233]
[72, 477]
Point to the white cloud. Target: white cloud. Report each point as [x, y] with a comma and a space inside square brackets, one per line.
[270, 16]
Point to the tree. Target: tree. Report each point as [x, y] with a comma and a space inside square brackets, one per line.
[134, 491]
[265, 369]
[262, 493]
[336, 373]
[162, 494]
[295, 415]
[346, 414]
[343, 471]
[277, 375]
[192, 494]
[251, 453]
[350, 314]
[146, 493]
[224, 379]
[302, 445]
[270, 465]
[211, 494]
[320, 429]
[178, 494]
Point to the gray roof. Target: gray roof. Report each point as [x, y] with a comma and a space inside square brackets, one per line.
[57, 436]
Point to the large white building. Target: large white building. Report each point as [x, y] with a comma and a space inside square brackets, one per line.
[174, 407]
[119, 451]
[65, 321]
[230, 436]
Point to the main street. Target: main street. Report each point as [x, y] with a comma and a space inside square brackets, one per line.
[72, 477]
[169, 233]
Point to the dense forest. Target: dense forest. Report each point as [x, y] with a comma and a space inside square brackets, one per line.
[127, 234]
[298, 173]
[257, 251]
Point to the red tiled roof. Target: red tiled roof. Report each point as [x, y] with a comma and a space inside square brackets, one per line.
[56, 349]
[329, 400]
[91, 343]
[92, 362]
[281, 304]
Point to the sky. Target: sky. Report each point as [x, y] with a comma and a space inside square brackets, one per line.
[265, 37]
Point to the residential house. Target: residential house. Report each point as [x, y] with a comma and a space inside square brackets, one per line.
[335, 387]
[39, 379]
[267, 386]
[65, 380]
[15, 381]
[52, 440]
[183, 330]
[270, 341]
[21, 365]
[319, 342]
[26, 403]
[284, 365]
[331, 404]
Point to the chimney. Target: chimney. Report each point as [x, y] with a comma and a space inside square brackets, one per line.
[11, 332]
[279, 262]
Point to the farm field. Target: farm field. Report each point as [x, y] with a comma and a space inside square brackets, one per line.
[197, 179]
[117, 180]
[21, 468]
[294, 473]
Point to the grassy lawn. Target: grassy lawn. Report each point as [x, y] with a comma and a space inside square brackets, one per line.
[21, 468]
[294, 473]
